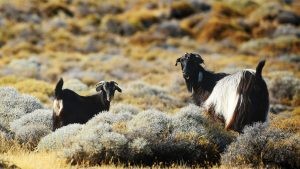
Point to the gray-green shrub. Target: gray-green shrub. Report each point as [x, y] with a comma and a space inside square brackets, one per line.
[60, 138]
[14, 105]
[147, 137]
[41, 117]
[31, 134]
[284, 86]
[260, 145]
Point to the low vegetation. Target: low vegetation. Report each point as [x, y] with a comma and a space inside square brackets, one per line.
[153, 122]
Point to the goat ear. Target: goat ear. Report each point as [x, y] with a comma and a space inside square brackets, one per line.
[118, 89]
[178, 60]
[198, 59]
[116, 84]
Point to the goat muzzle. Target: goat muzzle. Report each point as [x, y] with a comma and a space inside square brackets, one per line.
[109, 97]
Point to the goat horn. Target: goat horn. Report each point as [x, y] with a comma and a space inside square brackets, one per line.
[115, 83]
[100, 83]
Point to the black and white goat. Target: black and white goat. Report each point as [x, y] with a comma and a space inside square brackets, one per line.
[239, 99]
[69, 107]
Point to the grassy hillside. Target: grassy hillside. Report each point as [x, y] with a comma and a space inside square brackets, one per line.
[136, 43]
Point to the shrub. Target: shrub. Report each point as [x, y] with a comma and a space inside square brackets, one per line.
[148, 138]
[145, 138]
[255, 45]
[86, 145]
[40, 89]
[266, 11]
[140, 150]
[191, 119]
[107, 147]
[120, 107]
[88, 77]
[150, 124]
[8, 92]
[38, 117]
[24, 67]
[255, 146]
[31, 134]
[284, 88]
[287, 121]
[96, 142]
[60, 138]
[138, 89]
[5, 133]
[286, 30]
[171, 28]
[288, 17]
[115, 145]
[246, 149]
[219, 136]
[283, 153]
[110, 118]
[14, 105]
[271, 47]
[75, 85]
[154, 95]
[115, 26]
[190, 147]
[200, 6]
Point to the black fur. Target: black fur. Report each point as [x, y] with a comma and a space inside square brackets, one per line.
[79, 109]
[191, 66]
[203, 89]
[253, 102]
[58, 89]
[259, 68]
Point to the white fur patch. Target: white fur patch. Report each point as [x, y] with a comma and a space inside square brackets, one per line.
[57, 107]
[224, 96]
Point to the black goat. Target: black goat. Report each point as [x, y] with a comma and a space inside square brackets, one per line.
[69, 107]
[198, 81]
[239, 99]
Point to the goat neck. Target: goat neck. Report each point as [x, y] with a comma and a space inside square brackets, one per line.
[204, 83]
[105, 104]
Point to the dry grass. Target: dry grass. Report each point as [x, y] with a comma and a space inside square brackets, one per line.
[287, 121]
[31, 160]
[230, 36]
